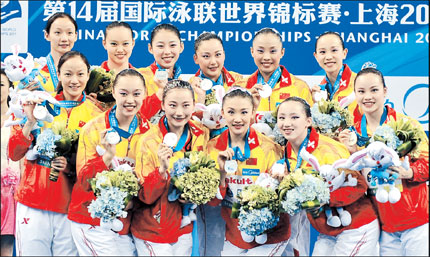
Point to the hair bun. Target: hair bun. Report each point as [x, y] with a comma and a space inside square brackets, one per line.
[368, 65]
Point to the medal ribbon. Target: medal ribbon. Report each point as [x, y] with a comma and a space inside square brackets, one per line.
[364, 122]
[113, 122]
[65, 104]
[332, 89]
[52, 71]
[299, 158]
[182, 141]
[177, 71]
[272, 80]
[238, 155]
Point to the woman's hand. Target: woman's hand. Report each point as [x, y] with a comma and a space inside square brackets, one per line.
[222, 158]
[110, 149]
[60, 164]
[164, 154]
[201, 94]
[315, 89]
[403, 173]
[160, 84]
[256, 95]
[278, 175]
[344, 138]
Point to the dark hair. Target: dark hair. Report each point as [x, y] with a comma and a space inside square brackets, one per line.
[177, 83]
[3, 72]
[165, 26]
[370, 71]
[59, 15]
[116, 24]
[302, 101]
[330, 33]
[204, 37]
[67, 56]
[131, 73]
[267, 31]
[240, 92]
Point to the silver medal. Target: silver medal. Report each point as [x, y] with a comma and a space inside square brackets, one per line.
[266, 91]
[206, 84]
[40, 112]
[170, 139]
[161, 75]
[352, 140]
[112, 137]
[320, 95]
[230, 166]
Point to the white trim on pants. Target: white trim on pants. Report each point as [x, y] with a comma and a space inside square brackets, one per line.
[183, 247]
[96, 241]
[261, 250]
[362, 241]
[45, 233]
[410, 242]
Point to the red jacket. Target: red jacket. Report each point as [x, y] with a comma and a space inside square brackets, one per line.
[412, 210]
[90, 163]
[156, 219]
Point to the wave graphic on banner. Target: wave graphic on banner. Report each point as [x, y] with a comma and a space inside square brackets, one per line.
[10, 10]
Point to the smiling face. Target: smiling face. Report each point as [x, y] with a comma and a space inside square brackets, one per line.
[370, 92]
[166, 48]
[129, 93]
[62, 35]
[210, 57]
[238, 112]
[267, 52]
[119, 45]
[178, 104]
[73, 75]
[293, 121]
[330, 53]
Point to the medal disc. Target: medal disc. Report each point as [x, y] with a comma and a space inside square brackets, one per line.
[352, 140]
[161, 75]
[170, 139]
[230, 166]
[266, 91]
[40, 112]
[206, 84]
[112, 137]
[278, 169]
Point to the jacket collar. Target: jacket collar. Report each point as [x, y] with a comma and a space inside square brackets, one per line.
[344, 80]
[194, 129]
[227, 77]
[143, 122]
[105, 66]
[312, 144]
[222, 142]
[285, 78]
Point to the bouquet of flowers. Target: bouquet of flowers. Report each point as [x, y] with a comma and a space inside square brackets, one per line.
[101, 83]
[302, 190]
[54, 142]
[257, 209]
[266, 124]
[114, 189]
[329, 118]
[64, 146]
[195, 179]
[400, 135]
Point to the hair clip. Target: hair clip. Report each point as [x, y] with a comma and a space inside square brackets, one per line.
[234, 88]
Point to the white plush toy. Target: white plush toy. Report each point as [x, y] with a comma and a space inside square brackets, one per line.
[378, 156]
[212, 117]
[40, 112]
[335, 180]
[22, 70]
